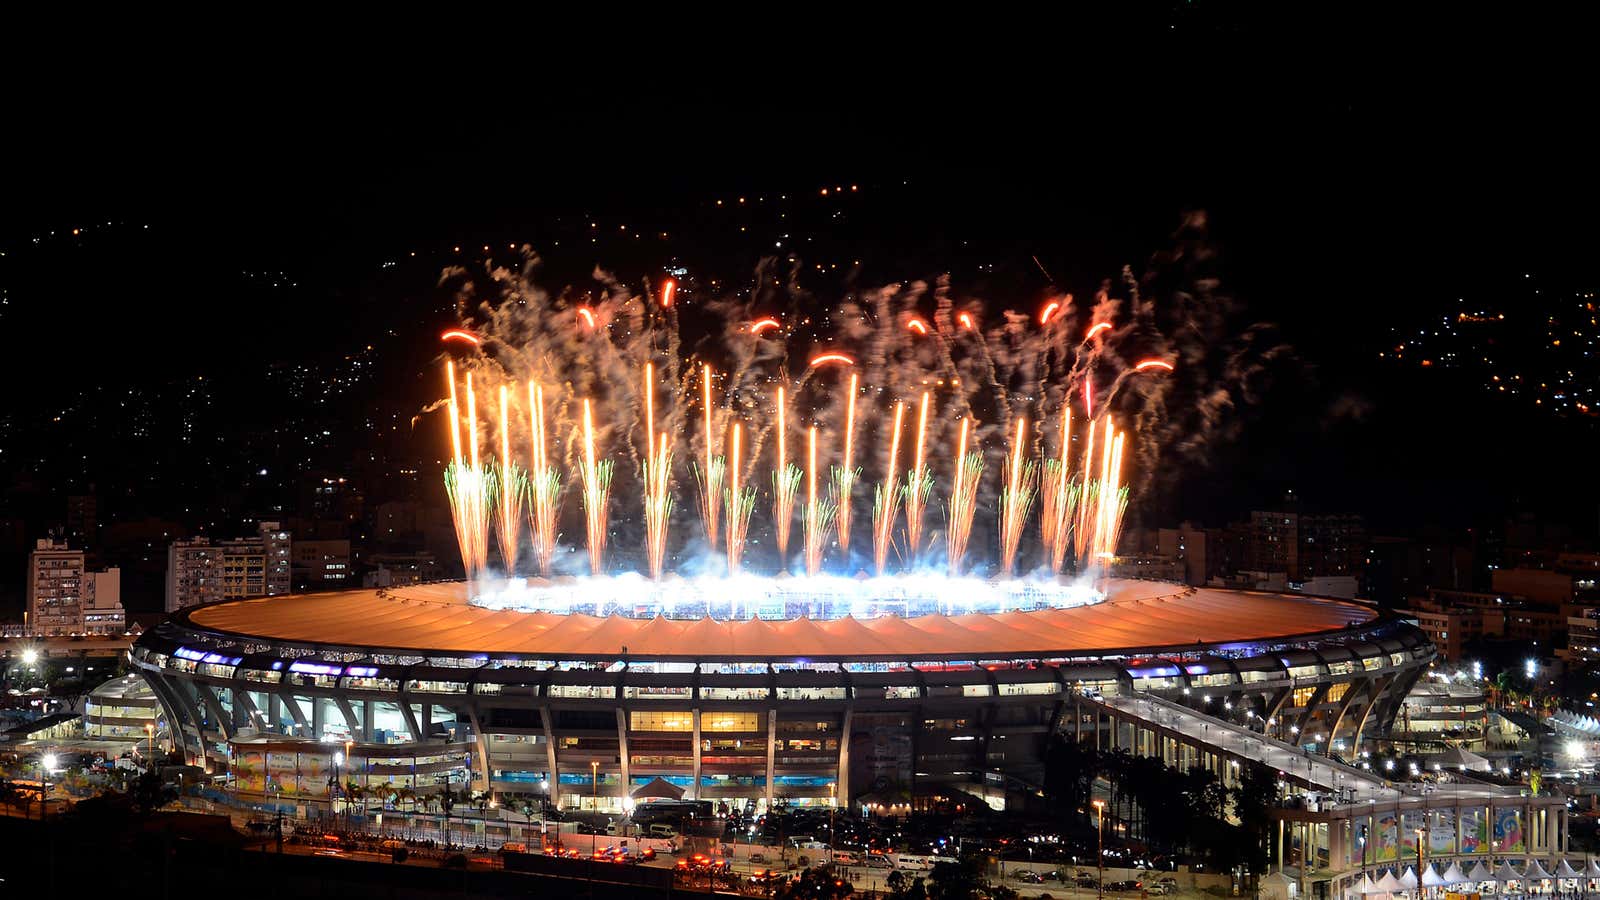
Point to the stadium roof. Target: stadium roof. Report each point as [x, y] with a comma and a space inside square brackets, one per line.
[438, 617]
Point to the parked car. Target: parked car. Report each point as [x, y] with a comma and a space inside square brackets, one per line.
[1125, 886]
[1159, 889]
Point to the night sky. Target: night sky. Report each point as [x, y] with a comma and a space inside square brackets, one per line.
[1343, 205]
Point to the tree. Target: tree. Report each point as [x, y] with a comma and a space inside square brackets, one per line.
[815, 884]
[149, 793]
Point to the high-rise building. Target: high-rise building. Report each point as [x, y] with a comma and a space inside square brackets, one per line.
[102, 603]
[64, 598]
[55, 588]
[199, 571]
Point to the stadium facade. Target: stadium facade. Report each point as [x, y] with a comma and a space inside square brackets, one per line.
[430, 690]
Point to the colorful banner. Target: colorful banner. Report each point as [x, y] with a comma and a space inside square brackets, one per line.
[1386, 846]
[1410, 824]
[1474, 831]
[1442, 833]
[282, 773]
[250, 772]
[1508, 835]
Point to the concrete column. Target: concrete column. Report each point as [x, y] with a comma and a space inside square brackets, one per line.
[622, 750]
[274, 713]
[844, 758]
[772, 748]
[553, 775]
[427, 721]
[694, 791]
[369, 715]
[481, 750]
[318, 707]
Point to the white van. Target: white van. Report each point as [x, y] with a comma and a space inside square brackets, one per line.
[846, 858]
[910, 862]
[663, 831]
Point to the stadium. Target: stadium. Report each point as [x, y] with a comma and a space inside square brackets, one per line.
[869, 693]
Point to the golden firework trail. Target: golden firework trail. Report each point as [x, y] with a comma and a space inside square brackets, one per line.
[785, 484]
[596, 478]
[818, 513]
[657, 482]
[709, 474]
[1084, 533]
[740, 503]
[884, 501]
[1111, 500]
[469, 486]
[1016, 497]
[844, 477]
[544, 485]
[1058, 497]
[963, 501]
[919, 486]
[513, 488]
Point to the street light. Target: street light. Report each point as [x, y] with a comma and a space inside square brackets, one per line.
[46, 763]
[30, 657]
[338, 760]
[1100, 840]
[349, 762]
[150, 732]
[594, 801]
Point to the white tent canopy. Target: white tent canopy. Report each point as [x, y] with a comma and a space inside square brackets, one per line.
[1565, 870]
[1454, 875]
[1480, 872]
[1457, 758]
[1506, 873]
[1367, 887]
[1408, 881]
[1594, 868]
[1536, 871]
[1430, 877]
[1389, 884]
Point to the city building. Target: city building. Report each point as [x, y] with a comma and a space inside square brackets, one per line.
[1453, 618]
[321, 564]
[401, 569]
[65, 598]
[202, 571]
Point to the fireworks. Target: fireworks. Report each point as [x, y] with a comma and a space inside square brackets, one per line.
[544, 485]
[710, 474]
[884, 503]
[1058, 495]
[919, 485]
[597, 351]
[1015, 500]
[469, 487]
[844, 477]
[818, 513]
[963, 501]
[785, 483]
[596, 479]
[513, 488]
[656, 481]
[826, 358]
[740, 503]
[1111, 499]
